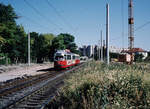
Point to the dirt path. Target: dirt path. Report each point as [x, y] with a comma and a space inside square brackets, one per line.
[11, 72]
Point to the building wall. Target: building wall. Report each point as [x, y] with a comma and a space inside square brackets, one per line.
[114, 49]
[91, 50]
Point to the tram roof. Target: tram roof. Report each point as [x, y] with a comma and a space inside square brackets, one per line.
[63, 52]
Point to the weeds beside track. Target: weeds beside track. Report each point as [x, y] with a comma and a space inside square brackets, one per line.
[34, 93]
[98, 86]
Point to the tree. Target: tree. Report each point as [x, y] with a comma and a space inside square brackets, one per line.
[48, 38]
[13, 40]
[138, 57]
[34, 45]
[40, 46]
[7, 14]
[21, 41]
[58, 43]
[68, 41]
[148, 57]
[11, 34]
[114, 55]
[64, 41]
[2, 41]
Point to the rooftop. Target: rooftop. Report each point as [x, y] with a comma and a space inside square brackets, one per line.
[133, 50]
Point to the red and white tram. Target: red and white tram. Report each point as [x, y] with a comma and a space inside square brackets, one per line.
[64, 59]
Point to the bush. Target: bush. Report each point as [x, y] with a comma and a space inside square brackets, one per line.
[100, 86]
[138, 57]
[5, 61]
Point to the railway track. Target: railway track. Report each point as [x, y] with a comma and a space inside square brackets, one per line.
[11, 87]
[33, 93]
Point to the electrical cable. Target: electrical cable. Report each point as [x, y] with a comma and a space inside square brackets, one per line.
[140, 27]
[30, 20]
[122, 14]
[59, 15]
[33, 21]
[137, 29]
[2, 1]
[41, 15]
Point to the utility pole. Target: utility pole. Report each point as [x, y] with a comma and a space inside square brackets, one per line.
[93, 51]
[131, 28]
[101, 46]
[104, 49]
[29, 48]
[107, 32]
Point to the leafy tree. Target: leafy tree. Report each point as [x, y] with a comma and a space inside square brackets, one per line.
[114, 55]
[68, 41]
[34, 45]
[48, 38]
[11, 34]
[21, 41]
[64, 41]
[13, 40]
[148, 57]
[138, 57]
[61, 42]
[40, 46]
[7, 14]
[2, 41]
[58, 43]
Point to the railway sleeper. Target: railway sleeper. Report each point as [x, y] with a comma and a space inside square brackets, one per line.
[39, 97]
[36, 97]
[27, 107]
[32, 101]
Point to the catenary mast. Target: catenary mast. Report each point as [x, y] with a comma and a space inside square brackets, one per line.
[107, 32]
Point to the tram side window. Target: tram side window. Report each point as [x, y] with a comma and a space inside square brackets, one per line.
[74, 57]
[59, 58]
[65, 57]
[68, 57]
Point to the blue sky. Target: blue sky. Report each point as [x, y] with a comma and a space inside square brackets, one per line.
[84, 19]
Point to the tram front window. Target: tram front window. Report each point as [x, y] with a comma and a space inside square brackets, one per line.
[59, 58]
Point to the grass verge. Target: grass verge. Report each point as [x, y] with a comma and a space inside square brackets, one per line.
[98, 86]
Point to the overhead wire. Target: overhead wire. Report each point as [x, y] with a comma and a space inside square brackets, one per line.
[2, 1]
[122, 14]
[140, 27]
[33, 21]
[122, 19]
[3, 10]
[59, 14]
[28, 19]
[41, 15]
[137, 29]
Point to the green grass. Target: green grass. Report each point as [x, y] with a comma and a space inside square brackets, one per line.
[98, 86]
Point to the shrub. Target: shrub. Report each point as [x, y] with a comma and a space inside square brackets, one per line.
[99, 86]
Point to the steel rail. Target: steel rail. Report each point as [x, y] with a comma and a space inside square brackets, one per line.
[42, 94]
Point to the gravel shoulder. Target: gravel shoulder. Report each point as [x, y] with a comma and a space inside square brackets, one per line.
[15, 71]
